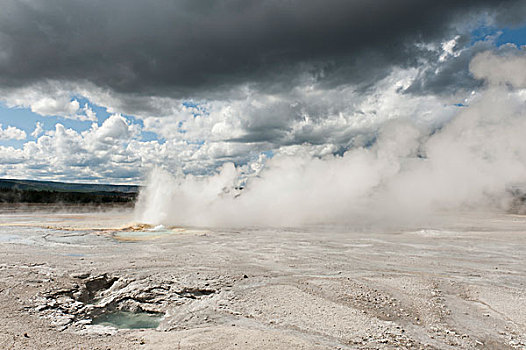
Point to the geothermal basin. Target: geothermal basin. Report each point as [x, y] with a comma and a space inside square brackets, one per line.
[98, 280]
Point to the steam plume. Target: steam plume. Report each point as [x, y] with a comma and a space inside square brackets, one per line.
[471, 162]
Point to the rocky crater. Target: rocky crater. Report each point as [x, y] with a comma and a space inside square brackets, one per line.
[88, 298]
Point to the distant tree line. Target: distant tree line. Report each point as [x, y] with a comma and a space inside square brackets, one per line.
[15, 195]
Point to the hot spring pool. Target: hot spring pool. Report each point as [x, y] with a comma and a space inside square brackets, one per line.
[129, 320]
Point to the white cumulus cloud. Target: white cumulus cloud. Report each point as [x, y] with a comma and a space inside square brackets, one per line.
[38, 130]
[501, 69]
[48, 99]
[12, 133]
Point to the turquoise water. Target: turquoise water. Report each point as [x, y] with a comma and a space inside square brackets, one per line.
[129, 320]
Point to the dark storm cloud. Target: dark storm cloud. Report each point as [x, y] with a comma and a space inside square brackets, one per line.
[184, 47]
[512, 14]
[448, 76]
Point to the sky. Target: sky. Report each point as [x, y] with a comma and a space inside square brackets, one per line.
[107, 91]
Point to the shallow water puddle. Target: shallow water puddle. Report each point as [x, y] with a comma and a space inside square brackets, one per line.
[143, 232]
[128, 320]
[141, 235]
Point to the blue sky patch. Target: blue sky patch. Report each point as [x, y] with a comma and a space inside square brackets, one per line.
[503, 36]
